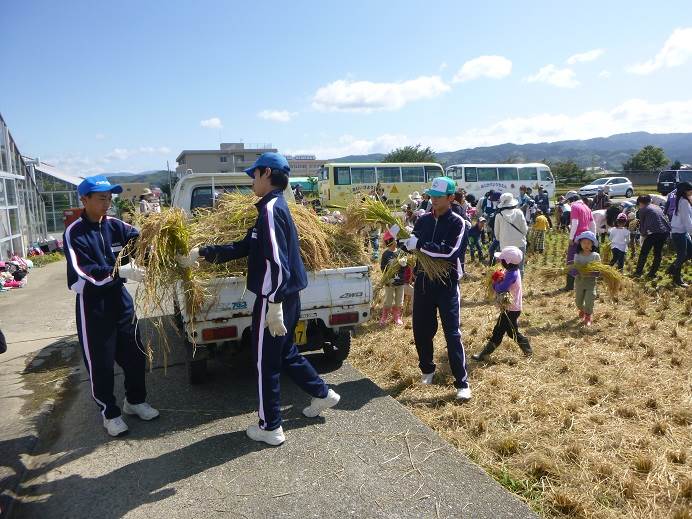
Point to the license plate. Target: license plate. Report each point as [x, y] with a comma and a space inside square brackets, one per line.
[300, 335]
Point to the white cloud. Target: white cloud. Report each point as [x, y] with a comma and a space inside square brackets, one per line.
[126, 153]
[629, 116]
[443, 65]
[279, 116]
[493, 67]
[552, 75]
[585, 56]
[605, 74]
[213, 122]
[675, 52]
[366, 96]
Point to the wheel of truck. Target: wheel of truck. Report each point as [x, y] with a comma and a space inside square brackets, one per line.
[196, 371]
[629, 193]
[339, 347]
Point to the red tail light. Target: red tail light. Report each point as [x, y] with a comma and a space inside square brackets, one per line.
[215, 334]
[347, 318]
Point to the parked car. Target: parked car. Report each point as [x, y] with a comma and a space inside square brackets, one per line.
[617, 186]
[668, 179]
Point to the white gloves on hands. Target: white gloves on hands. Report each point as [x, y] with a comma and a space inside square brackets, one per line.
[131, 272]
[411, 242]
[189, 260]
[275, 320]
[403, 261]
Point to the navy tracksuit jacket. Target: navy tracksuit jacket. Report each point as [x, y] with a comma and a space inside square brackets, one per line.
[440, 238]
[275, 275]
[106, 322]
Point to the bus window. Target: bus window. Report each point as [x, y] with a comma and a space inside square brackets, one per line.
[363, 175]
[455, 173]
[412, 174]
[528, 174]
[507, 173]
[471, 174]
[324, 173]
[433, 172]
[545, 174]
[342, 176]
[389, 174]
[485, 174]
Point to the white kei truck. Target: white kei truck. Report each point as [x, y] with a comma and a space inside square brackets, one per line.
[332, 305]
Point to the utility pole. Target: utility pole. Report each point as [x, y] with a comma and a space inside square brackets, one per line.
[170, 182]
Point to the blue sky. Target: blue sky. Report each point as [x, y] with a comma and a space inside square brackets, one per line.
[125, 86]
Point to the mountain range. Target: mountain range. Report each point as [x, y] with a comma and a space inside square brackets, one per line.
[607, 152]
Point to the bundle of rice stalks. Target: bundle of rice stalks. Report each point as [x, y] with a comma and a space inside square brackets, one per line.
[613, 278]
[501, 299]
[391, 270]
[606, 252]
[372, 212]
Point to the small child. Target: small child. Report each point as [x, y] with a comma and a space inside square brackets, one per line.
[394, 289]
[477, 238]
[633, 225]
[539, 229]
[619, 238]
[585, 284]
[511, 258]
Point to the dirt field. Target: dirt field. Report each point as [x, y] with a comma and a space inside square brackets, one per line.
[598, 423]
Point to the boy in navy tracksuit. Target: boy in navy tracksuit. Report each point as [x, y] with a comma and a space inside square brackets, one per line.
[439, 235]
[106, 321]
[275, 275]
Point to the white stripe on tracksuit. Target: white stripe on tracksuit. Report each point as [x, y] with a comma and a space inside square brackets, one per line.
[260, 344]
[73, 258]
[275, 253]
[87, 354]
[456, 245]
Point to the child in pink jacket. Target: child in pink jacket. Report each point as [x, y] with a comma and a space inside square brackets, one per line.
[511, 258]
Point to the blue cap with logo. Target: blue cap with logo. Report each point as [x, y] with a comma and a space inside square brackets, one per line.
[97, 184]
[269, 160]
[442, 186]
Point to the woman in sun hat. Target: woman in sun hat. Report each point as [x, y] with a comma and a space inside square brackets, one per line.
[510, 225]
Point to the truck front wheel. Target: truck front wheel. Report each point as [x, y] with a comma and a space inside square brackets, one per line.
[339, 347]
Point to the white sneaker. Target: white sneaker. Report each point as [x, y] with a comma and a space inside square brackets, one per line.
[464, 394]
[427, 378]
[115, 426]
[274, 438]
[143, 410]
[317, 405]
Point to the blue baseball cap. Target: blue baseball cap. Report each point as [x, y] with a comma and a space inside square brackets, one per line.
[442, 186]
[269, 160]
[587, 235]
[97, 184]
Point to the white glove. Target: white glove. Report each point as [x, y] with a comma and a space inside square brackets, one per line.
[403, 261]
[411, 242]
[131, 272]
[394, 230]
[189, 260]
[275, 320]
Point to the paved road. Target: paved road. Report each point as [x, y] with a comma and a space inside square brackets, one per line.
[369, 457]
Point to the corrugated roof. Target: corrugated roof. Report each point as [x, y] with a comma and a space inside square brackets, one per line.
[47, 169]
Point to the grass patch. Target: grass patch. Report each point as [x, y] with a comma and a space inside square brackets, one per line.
[51, 257]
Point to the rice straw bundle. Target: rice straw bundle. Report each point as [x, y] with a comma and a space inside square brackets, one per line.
[393, 267]
[606, 252]
[613, 278]
[501, 299]
[372, 211]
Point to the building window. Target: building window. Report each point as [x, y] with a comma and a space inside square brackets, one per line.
[223, 158]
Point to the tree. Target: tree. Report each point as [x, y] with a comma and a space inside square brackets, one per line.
[676, 165]
[567, 171]
[649, 158]
[411, 154]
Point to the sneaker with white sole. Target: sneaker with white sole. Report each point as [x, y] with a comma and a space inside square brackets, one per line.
[427, 378]
[273, 438]
[317, 405]
[143, 410]
[464, 393]
[115, 426]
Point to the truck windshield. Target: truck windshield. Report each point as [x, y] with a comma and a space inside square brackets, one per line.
[201, 196]
[666, 176]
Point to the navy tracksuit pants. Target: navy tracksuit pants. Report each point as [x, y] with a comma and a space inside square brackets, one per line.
[273, 354]
[428, 298]
[106, 327]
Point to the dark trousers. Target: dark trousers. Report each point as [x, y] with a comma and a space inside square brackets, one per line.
[494, 247]
[107, 331]
[274, 354]
[428, 298]
[507, 324]
[683, 247]
[618, 258]
[656, 242]
[475, 246]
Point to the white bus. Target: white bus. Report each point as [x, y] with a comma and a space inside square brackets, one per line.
[478, 179]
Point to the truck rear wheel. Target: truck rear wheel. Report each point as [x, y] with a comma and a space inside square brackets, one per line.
[339, 347]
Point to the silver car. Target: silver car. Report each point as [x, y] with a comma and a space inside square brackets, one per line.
[617, 186]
